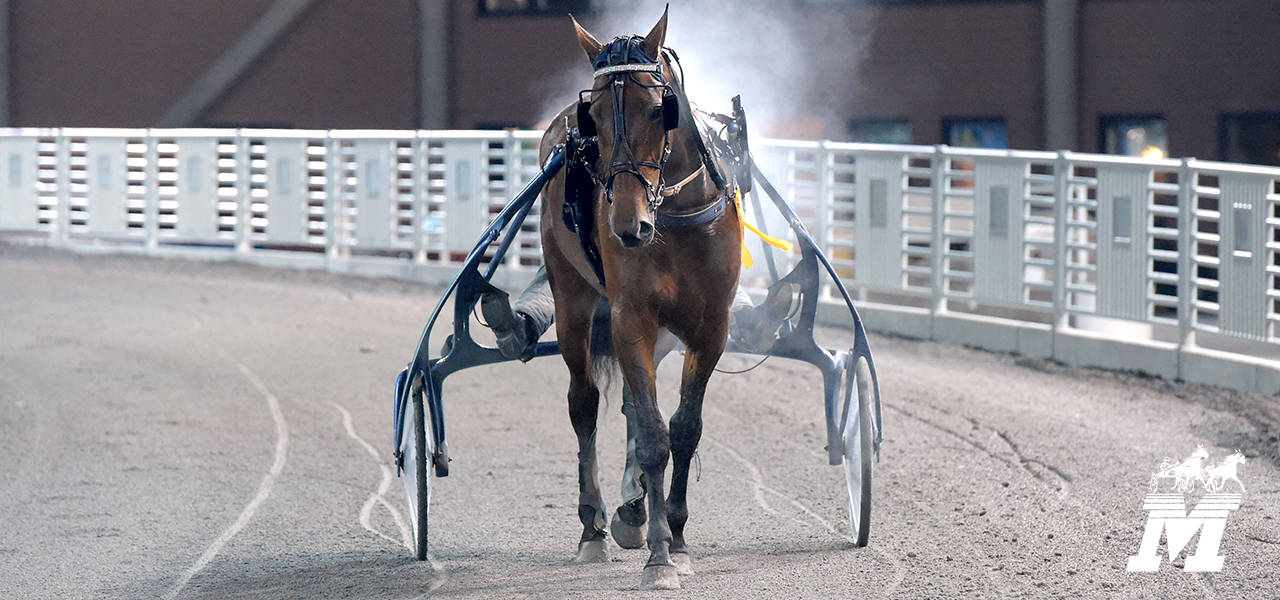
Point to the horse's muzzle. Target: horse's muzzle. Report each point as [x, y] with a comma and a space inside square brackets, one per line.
[642, 235]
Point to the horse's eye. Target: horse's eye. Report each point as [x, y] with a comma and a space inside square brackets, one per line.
[655, 115]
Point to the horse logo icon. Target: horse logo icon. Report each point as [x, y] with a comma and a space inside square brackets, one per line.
[1167, 512]
[1216, 477]
[1187, 473]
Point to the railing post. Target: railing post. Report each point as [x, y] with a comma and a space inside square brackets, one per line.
[421, 180]
[511, 160]
[822, 196]
[151, 195]
[244, 194]
[938, 181]
[1186, 259]
[61, 233]
[332, 203]
[1061, 203]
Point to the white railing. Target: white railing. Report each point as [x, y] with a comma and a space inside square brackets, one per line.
[1166, 266]
[418, 195]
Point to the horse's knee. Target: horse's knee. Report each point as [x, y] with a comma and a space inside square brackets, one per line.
[677, 515]
[652, 455]
[686, 431]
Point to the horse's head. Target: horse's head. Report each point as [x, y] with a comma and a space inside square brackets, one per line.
[631, 108]
[1200, 452]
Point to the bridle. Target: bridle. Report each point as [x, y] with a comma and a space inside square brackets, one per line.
[617, 63]
[620, 61]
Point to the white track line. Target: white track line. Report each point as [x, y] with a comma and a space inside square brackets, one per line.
[264, 489]
[760, 488]
[378, 497]
[757, 480]
[796, 503]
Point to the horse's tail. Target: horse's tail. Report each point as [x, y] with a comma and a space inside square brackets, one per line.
[604, 363]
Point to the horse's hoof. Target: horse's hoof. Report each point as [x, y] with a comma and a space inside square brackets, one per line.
[594, 551]
[659, 577]
[684, 565]
[628, 536]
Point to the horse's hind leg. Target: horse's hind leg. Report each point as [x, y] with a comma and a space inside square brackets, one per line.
[686, 431]
[573, 328]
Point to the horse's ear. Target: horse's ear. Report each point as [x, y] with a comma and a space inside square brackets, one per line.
[589, 43]
[653, 42]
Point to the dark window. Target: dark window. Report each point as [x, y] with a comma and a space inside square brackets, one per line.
[880, 131]
[1142, 136]
[1252, 138]
[975, 133]
[534, 7]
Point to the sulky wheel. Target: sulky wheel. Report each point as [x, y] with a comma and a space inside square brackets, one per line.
[417, 444]
[855, 432]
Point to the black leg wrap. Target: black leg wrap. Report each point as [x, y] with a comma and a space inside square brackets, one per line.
[592, 522]
[633, 513]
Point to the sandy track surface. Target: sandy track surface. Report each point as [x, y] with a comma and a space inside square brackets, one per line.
[180, 429]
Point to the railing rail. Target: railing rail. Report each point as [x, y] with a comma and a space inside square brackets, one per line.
[1176, 260]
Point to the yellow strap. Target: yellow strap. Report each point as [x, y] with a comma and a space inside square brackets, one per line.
[747, 260]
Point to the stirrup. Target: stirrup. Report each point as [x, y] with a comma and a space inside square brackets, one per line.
[510, 328]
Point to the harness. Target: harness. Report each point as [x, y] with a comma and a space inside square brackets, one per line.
[619, 61]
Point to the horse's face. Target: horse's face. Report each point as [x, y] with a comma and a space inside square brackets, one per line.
[631, 186]
[627, 110]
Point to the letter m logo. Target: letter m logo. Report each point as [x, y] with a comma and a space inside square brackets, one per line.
[1168, 516]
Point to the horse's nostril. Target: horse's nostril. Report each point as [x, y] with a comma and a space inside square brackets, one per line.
[646, 230]
[630, 241]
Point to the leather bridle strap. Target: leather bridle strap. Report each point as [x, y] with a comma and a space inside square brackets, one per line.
[629, 164]
[671, 190]
[632, 68]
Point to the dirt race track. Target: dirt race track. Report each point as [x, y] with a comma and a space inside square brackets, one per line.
[179, 429]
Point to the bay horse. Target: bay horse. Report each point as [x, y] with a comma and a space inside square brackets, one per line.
[648, 224]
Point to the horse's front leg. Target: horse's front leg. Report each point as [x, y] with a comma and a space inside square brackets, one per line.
[629, 524]
[686, 430]
[629, 521]
[634, 337]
